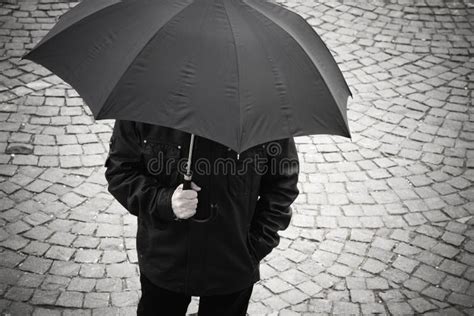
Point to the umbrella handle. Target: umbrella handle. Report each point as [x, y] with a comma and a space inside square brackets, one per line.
[208, 219]
[187, 182]
[187, 186]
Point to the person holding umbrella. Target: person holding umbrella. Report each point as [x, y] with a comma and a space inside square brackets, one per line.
[217, 257]
[244, 77]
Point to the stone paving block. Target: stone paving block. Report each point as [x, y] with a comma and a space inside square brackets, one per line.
[35, 265]
[19, 308]
[70, 161]
[310, 288]
[456, 227]
[429, 258]
[46, 312]
[294, 296]
[106, 311]
[88, 256]
[25, 160]
[107, 230]
[372, 308]
[377, 283]
[395, 275]
[30, 280]
[452, 267]
[81, 285]
[362, 296]
[17, 228]
[293, 276]
[16, 293]
[54, 283]
[92, 271]
[71, 199]
[339, 270]
[275, 303]
[429, 274]
[373, 266]
[121, 270]
[86, 242]
[362, 235]
[339, 293]
[10, 259]
[350, 260]
[42, 297]
[279, 263]
[64, 268]
[331, 246]
[469, 275]
[39, 233]
[400, 308]
[421, 305]
[424, 242]
[455, 284]
[435, 292]
[345, 308]
[70, 299]
[59, 253]
[109, 285]
[380, 254]
[277, 285]
[405, 264]
[132, 283]
[96, 300]
[320, 305]
[325, 280]
[48, 161]
[445, 250]
[324, 258]
[460, 299]
[61, 238]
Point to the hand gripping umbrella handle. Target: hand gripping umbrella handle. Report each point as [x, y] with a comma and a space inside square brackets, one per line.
[187, 184]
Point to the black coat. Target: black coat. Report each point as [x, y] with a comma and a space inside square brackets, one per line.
[217, 257]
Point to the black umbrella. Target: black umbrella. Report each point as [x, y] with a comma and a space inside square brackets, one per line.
[239, 72]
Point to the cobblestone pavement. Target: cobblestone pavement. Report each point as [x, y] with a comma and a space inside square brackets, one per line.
[383, 224]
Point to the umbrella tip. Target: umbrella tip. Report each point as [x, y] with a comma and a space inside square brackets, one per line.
[25, 55]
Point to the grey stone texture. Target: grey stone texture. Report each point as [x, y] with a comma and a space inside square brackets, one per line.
[383, 223]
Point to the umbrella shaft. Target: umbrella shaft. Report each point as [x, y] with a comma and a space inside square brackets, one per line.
[190, 155]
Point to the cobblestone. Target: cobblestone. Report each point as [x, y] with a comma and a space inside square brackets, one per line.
[383, 223]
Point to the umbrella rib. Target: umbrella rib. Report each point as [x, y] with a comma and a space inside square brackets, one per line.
[279, 80]
[238, 74]
[138, 53]
[304, 50]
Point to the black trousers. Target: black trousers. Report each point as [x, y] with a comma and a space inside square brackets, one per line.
[156, 301]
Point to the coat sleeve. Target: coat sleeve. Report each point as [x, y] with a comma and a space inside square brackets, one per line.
[128, 182]
[278, 190]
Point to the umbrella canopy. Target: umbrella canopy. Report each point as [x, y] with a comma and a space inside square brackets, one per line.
[239, 72]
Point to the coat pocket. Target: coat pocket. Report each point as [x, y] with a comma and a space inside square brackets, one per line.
[162, 160]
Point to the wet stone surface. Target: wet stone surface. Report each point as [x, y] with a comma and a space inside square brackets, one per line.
[383, 223]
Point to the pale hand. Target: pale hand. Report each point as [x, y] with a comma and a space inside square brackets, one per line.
[184, 202]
